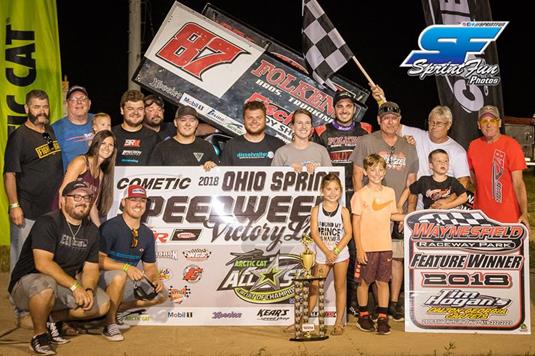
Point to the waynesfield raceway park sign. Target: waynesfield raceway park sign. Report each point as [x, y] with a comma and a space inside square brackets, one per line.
[227, 241]
[216, 68]
[465, 273]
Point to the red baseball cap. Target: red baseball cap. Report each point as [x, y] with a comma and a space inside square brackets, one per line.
[134, 191]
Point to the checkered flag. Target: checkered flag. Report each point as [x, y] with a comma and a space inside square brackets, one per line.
[324, 49]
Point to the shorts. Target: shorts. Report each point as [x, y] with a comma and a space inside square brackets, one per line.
[398, 249]
[128, 293]
[34, 283]
[378, 268]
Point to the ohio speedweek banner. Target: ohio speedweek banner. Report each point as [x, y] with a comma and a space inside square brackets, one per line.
[227, 241]
[465, 273]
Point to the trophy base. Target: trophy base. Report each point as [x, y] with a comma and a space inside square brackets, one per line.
[312, 337]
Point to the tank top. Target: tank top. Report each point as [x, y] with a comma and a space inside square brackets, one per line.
[92, 182]
[331, 231]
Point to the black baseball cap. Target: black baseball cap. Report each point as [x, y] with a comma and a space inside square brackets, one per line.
[153, 99]
[76, 88]
[185, 111]
[76, 185]
[344, 94]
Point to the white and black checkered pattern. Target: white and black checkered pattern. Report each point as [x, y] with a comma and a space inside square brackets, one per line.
[469, 217]
[324, 49]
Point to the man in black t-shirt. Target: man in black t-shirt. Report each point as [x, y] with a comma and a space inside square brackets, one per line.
[154, 117]
[185, 149]
[255, 147]
[32, 172]
[126, 241]
[135, 142]
[57, 273]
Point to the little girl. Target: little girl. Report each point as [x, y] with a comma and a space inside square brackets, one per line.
[330, 227]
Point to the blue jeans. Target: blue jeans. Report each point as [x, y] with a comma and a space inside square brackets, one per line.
[17, 237]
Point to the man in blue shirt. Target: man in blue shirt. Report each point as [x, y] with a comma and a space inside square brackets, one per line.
[75, 131]
[125, 241]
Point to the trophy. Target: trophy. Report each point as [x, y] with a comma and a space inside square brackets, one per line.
[308, 257]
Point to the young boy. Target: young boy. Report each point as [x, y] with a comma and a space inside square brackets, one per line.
[373, 207]
[101, 122]
[439, 191]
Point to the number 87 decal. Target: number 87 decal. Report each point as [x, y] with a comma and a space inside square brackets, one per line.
[194, 49]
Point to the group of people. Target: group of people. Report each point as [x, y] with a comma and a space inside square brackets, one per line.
[67, 263]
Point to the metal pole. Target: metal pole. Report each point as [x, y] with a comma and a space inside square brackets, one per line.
[134, 40]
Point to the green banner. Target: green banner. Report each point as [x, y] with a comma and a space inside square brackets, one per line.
[30, 59]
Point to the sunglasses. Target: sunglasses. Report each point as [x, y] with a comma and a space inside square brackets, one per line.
[389, 159]
[135, 238]
[142, 294]
[389, 110]
[49, 140]
[156, 99]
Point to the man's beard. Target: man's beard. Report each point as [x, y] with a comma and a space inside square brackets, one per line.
[72, 212]
[151, 123]
[34, 118]
[132, 123]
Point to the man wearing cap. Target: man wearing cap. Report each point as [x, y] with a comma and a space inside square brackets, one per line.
[75, 131]
[56, 276]
[340, 138]
[439, 121]
[496, 163]
[255, 147]
[154, 116]
[401, 169]
[125, 241]
[185, 149]
[135, 142]
[32, 170]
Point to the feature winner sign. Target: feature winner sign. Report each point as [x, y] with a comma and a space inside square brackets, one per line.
[466, 273]
[227, 241]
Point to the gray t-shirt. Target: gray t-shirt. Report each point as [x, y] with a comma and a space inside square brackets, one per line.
[401, 159]
[314, 153]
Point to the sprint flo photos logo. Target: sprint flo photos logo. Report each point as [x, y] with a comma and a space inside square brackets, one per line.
[456, 50]
[261, 279]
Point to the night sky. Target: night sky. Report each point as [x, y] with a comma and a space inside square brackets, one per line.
[94, 46]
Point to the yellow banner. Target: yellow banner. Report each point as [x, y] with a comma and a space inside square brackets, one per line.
[30, 59]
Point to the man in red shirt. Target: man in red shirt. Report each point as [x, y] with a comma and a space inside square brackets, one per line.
[496, 162]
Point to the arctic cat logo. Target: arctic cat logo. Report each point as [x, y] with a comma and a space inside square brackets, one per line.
[459, 299]
[261, 279]
[273, 314]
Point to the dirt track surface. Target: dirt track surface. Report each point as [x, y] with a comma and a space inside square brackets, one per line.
[264, 341]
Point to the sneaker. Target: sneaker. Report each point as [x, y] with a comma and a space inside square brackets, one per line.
[396, 312]
[365, 323]
[112, 333]
[382, 326]
[55, 336]
[41, 344]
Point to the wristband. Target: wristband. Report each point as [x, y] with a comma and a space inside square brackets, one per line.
[336, 251]
[14, 205]
[74, 286]
[126, 266]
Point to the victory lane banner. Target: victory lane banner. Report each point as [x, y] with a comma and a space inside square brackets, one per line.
[466, 273]
[227, 241]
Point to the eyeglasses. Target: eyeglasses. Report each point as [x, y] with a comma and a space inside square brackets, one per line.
[438, 123]
[493, 121]
[49, 140]
[82, 99]
[78, 197]
[135, 238]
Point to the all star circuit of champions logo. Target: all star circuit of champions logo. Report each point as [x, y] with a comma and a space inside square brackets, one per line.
[261, 279]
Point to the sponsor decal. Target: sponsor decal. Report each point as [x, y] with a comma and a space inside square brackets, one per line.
[132, 143]
[197, 254]
[165, 274]
[273, 314]
[186, 234]
[226, 315]
[456, 50]
[179, 314]
[170, 255]
[177, 295]
[328, 314]
[192, 273]
[261, 279]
